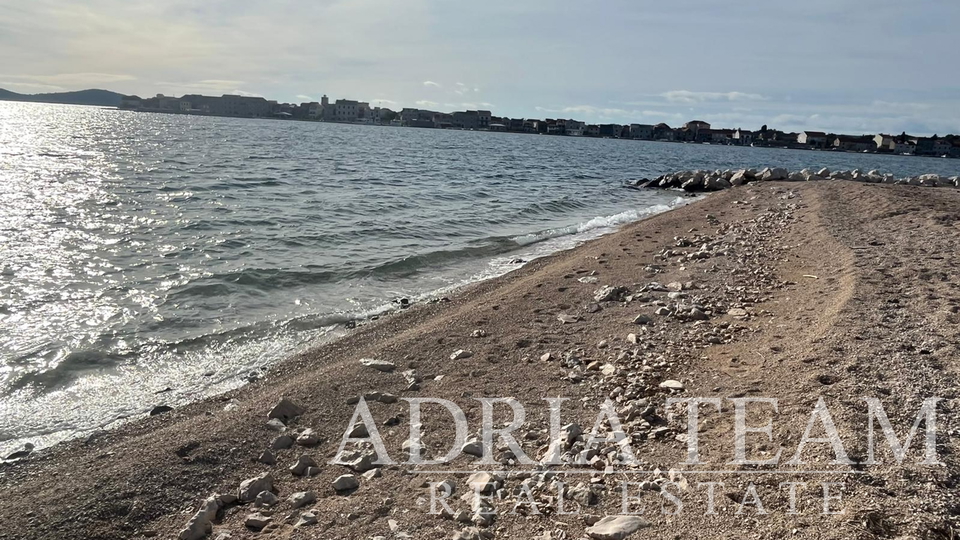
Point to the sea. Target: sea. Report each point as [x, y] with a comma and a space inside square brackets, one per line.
[152, 260]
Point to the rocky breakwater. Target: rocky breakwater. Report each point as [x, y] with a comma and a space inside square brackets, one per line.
[698, 180]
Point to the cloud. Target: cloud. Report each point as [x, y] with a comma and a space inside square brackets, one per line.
[480, 105]
[427, 103]
[244, 93]
[900, 105]
[380, 102]
[30, 87]
[303, 97]
[76, 79]
[688, 97]
[431, 83]
[205, 86]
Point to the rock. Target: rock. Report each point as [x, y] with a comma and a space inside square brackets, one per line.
[697, 315]
[565, 318]
[257, 521]
[632, 338]
[309, 437]
[250, 488]
[583, 495]
[460, 354]
[737, 312]
[824, 173]
[774, 174]
[473, 447]
[282, 442]
[286, 410]
[201, 524]
[740, 178]
[379, 365]
[160, 409]
[346, 482]
[479, 333]
[663, 312]
[616, 527]
[693, 184]
[472, 533]
[306, 518]
[484, 482]
[274, 424]
[302, 498]
[671, 384]
[609, 293]
[23, 452]
[372, 473]
[642, 319]
[362, 464]
[303, 463]
[266, 498]
[359, 431]
[608, 370]
[546, 357]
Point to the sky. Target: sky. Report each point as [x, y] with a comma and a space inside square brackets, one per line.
[825, 65]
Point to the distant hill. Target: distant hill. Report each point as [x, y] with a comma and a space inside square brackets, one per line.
[103, 98]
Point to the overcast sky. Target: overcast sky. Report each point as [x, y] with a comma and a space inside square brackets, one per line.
[829, 65]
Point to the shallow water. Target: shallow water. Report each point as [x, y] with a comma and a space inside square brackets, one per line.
[155, 259]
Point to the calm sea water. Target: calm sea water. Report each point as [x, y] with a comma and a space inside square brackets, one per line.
[152, 259]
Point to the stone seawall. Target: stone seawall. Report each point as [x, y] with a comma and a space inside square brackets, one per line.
[698, 180]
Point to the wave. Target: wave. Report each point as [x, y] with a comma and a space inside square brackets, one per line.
[598, 222]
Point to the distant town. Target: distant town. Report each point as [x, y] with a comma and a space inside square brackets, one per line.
[695, 131]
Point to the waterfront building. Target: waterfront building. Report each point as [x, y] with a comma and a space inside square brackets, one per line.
[641, 131]
[854, 144]
[816, 139]
[743, 137]
[663, 132]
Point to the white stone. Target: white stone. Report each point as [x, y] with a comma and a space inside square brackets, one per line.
[616, 527]
[201, 524]
[460, 354]
[379, 365]
[671, 384]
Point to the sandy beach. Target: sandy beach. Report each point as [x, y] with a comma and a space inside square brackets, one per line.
[788, 290]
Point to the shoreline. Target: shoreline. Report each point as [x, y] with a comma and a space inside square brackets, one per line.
[747, 252]
[569, 237]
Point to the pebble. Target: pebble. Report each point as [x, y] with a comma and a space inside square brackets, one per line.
[308, 437]
[266, 498]
[472, 533]
[346, 482]
[282, 442]
[201, 523]
[460, 354]
[616, 527]
[306, 518]
[302, 498]
[286, 410]
[565, 318]
[671, 384]
[257, 521]
[303, 463]
[250, 488]
[379, 365]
